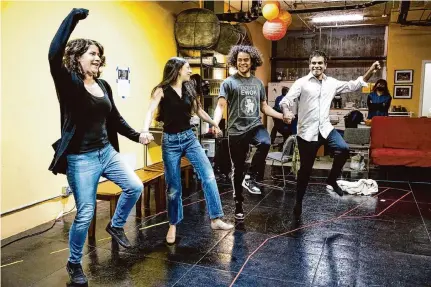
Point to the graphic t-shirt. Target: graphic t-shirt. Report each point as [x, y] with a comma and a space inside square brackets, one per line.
[244, 96]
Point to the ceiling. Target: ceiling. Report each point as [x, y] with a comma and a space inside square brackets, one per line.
[380, 14]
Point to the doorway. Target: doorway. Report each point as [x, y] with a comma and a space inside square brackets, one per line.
[425, 102]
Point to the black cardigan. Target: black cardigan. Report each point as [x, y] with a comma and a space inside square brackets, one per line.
[71, 93]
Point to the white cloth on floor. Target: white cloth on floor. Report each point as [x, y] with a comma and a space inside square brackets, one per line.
[361, 187]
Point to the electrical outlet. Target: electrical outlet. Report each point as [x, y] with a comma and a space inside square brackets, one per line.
[66, 191]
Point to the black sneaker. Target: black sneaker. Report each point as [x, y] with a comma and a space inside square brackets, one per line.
[76, 274]
[335, 188]
[239, 212]
[118, 235]
[250, 185]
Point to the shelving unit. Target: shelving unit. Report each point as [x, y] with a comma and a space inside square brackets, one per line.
[401, 114]
[205, 63]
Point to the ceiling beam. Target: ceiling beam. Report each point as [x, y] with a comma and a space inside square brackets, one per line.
[402, 17]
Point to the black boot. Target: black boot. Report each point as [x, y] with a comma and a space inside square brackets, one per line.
[336, 188]
[297, 209]
[76, 274]
[118, 235]
[340, 157]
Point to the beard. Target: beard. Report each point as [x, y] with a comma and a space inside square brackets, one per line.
[244, 70]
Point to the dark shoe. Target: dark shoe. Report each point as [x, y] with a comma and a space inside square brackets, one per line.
[76, 274]
[239, 212]
[250, 185]
[335, 188]
[118, 235]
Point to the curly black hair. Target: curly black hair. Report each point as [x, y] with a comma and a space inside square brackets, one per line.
[75, 49]
[255, 55]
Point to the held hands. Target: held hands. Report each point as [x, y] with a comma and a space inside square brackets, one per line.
[146, 138]
[288, 116]
[217, 131]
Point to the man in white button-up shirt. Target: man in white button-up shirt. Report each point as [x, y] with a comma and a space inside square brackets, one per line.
[315, 92]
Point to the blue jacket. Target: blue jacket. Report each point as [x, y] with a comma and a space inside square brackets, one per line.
[378, 105]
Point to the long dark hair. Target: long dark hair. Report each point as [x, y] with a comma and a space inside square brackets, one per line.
[75, 49]
[197, 84]
[382, 82]
[170, 75]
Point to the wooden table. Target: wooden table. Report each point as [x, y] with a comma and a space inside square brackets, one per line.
[111, 192]
[186, 166]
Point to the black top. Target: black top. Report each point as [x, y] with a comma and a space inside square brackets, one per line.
[94, 135]
[175, 112]
[71, 95]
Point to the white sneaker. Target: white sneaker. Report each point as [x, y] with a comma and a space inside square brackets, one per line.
[250, 185]
[220, 225]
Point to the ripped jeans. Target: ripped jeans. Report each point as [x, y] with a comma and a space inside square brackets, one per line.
[173, 147]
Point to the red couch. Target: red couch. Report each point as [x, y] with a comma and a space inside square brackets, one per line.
[401, 141]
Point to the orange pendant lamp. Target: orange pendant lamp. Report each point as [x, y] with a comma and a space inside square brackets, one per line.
[274, 30]
[286, 17]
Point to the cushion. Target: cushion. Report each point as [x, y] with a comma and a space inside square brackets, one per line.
[401, 133]
[425, 140]
[404, 157]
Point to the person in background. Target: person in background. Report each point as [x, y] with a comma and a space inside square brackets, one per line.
[379, 100]
[88, 147]
[279, 126]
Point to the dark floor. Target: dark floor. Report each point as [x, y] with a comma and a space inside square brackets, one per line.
[347, 241]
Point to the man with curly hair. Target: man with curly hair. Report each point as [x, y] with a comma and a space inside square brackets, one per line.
[314, 128]
[244, 94]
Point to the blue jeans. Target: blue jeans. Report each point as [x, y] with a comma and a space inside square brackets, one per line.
[307, 155]
[173, 147]
[83, 174]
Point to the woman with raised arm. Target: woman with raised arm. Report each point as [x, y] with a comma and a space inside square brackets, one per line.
[88, 147]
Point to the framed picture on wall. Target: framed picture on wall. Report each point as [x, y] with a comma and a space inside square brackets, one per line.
[403, 92]
[403, 76]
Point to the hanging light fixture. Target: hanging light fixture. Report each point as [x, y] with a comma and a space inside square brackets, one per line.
[338, 18]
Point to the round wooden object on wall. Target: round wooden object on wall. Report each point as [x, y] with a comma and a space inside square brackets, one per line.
[197, 28]
[229, 36]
